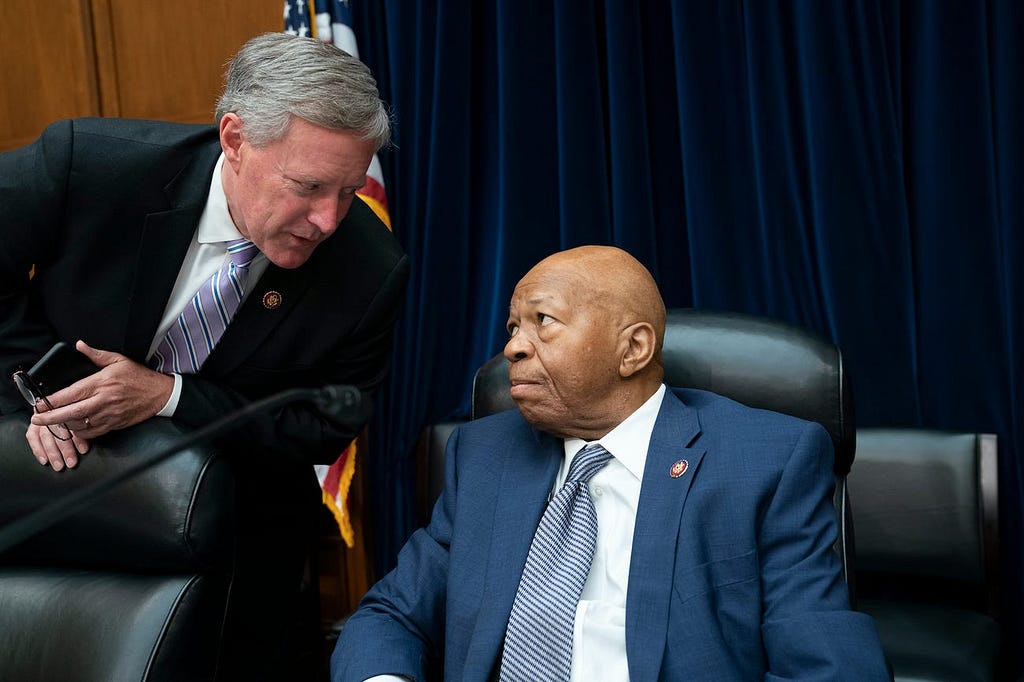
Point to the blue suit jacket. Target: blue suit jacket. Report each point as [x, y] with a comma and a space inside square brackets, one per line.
[733, 574]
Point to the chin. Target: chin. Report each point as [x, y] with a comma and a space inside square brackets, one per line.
[540, 420]
[289, 260]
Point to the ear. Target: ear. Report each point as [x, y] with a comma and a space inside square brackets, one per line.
[639, 340]
[231, 138]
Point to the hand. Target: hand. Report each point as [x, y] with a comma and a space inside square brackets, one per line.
[122, 394]
[49, 449]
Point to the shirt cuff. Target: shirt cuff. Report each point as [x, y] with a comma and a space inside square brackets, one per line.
[172, 403]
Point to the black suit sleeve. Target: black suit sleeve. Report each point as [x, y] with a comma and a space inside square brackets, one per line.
[298, 431]
[32, 190]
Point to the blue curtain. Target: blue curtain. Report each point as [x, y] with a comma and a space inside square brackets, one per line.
[853, 167]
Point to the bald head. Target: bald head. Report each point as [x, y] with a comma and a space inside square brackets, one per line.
[613, 280]
[585, 333]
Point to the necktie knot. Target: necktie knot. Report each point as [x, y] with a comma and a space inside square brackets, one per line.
[587, 462]
[242, 252]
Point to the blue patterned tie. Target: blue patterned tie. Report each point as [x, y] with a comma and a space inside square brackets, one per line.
[538, 642]
[200, 325]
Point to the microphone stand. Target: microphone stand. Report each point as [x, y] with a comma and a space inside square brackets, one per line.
[331, 400]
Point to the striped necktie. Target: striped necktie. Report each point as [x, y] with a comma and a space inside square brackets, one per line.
[538, 642]
[200, 325]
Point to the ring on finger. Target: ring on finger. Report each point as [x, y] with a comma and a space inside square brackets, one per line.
[88, 425]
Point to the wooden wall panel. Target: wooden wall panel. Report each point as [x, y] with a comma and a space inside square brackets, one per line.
[47, 69]
[170, 57]
[118, 58]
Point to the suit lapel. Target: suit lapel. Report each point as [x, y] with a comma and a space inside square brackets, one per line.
[165, 239]
[527, 475]
[656, 534]
[269, 302]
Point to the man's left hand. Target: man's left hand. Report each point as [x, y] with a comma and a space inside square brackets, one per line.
[122, 394]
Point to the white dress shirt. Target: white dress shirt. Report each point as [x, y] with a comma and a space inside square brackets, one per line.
[206, 254]
[599, 631]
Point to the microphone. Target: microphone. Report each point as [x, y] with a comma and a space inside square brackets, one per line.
[340, 402]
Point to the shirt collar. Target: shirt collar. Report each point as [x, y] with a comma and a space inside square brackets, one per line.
[627, 442]
[215, 225]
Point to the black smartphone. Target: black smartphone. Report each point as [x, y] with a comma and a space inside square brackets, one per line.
[60, 367]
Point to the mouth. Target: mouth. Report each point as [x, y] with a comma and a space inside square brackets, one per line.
[522, 387]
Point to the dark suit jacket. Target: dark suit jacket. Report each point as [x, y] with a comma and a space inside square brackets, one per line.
[105, 210]
[732, 576]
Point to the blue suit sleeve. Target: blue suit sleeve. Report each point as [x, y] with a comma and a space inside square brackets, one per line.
[809, 633]
[399, 626]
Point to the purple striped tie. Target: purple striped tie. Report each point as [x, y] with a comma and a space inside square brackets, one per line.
[199, 326]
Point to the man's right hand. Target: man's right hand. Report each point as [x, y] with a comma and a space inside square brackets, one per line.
[51, 450]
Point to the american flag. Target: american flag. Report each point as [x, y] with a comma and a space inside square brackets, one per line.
[297, 20]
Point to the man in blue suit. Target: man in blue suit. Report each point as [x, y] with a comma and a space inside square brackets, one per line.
[713, 556]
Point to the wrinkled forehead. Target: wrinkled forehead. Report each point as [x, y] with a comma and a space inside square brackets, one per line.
[554, 284]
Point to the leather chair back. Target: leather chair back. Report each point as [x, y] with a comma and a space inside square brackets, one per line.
[132, 587]
[758, 361]
[926, 511]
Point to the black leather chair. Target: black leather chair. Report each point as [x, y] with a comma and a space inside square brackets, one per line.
[757, 361]
[132, 587]
[430, 466]
[925, 509]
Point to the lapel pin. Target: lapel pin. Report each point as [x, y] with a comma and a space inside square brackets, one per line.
[678, 469]
[271, 300]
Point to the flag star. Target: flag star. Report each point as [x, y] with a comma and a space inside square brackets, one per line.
[300, 6]
[303, 30]
[291, 31]
[287, 9]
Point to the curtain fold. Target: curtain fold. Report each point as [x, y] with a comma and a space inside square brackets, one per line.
[854, 168]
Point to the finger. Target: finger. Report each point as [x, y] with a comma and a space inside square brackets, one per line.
[100, 358]
[73, 414]
[59, 415]
[67, 451]
[36, 444]
[86, 429]
[53, 454]
[81, 444]
[76, 392]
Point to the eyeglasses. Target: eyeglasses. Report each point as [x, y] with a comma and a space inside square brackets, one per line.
[34, 395]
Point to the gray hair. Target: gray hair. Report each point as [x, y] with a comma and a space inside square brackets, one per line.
[276, 76]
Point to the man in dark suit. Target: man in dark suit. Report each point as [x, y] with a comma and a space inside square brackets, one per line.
[121, 222]
[712, 554]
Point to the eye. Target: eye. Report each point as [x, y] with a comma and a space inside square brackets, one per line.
[306, 187]
[512, 328]
[544, 319]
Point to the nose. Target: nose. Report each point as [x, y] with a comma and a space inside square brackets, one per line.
[327, 212]
[518, 348]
